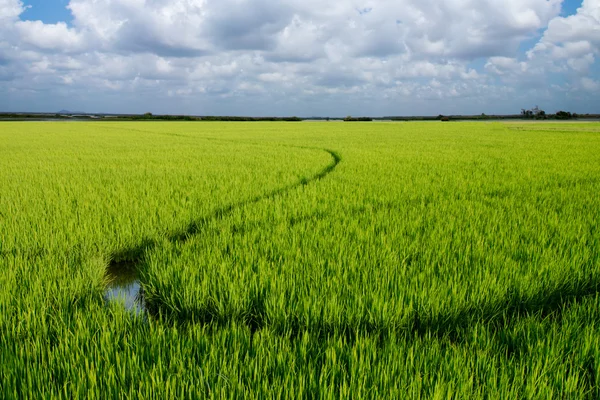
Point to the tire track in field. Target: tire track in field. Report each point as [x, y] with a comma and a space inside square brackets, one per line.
[127, 261]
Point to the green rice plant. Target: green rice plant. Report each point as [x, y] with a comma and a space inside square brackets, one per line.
[400, 260]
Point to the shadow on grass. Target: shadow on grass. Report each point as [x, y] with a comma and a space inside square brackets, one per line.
[548, 303]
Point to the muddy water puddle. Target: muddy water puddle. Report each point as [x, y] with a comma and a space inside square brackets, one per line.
[124, 286]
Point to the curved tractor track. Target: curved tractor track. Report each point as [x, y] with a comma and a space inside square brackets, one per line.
[127, 261]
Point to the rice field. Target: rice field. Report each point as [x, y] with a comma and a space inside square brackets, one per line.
[304, 260]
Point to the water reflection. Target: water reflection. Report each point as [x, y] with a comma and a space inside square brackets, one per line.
[124, 286]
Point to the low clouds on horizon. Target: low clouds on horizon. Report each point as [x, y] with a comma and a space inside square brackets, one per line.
[302, 57]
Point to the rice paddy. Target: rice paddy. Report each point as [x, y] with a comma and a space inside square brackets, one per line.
[305, 260]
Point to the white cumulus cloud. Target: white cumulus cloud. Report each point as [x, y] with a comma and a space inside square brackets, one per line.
[295, 56]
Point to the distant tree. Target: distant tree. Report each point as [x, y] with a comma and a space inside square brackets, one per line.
[359, 119]
[563, 115]
[526, 113]
[535, 112]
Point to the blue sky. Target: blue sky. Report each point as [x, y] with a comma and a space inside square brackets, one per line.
[299, 57]
[48, 11]
[569, 7]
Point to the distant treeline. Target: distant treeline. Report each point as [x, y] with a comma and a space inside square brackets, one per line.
[560, 115]
[150, 116]
[525, 114]
[31, 116]
[359, 119]
[140, 117]
[212, 118]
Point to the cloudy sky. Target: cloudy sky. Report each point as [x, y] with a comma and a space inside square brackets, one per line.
[300, 57]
